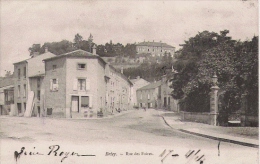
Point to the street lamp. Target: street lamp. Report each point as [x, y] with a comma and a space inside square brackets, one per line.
[215, 79]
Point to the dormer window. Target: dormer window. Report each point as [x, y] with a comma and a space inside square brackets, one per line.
[81, 66]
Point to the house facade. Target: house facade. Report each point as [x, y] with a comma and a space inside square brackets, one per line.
[137, 84]
[82, 84]
[28, 88]
[155, 48]
[166, 101]
[147, 96]
[6, 96]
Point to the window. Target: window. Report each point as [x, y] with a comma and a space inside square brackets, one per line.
[19, 73]
[39, 95]
[85, 101]
[81, 66]
[54, 67]
[81, 84]
[6, 96]
[141, 97]
[24, 72]
[18, 91]
[148, 96]
[54, 85]
[24, 90]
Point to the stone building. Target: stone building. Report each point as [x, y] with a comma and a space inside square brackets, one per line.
[155, 48]
[137, 84]
[6, 95]
[82, 84]
[166, 101]
[28, 88]
[147, 96]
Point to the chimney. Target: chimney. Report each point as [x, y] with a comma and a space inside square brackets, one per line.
[94, 51]
[46, 49]
[122, 70]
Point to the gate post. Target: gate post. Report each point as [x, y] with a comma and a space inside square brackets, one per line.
[244, 107]
[214, 102]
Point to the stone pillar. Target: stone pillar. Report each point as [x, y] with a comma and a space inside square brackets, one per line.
[214, 105]
[244, 107]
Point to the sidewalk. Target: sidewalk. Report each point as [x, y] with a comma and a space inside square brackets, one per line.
[246, 136]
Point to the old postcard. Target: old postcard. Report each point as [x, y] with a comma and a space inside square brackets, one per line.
[129, 82]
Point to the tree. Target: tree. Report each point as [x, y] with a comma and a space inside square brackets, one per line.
[34, 48]
[8, 74]
[78, 39]
[207, 53]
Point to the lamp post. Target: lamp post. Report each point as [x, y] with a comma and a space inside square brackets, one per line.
[214, 101]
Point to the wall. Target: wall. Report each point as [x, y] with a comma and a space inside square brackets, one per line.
[142, 97]
[196, 117]
[55, 99]
[154, 50]
[119, 92]
[137, 84]
[20, 81]
[94, 73]
[2, 97]
[166, 93]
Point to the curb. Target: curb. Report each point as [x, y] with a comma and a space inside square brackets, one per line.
[215, 138]
[221, 139]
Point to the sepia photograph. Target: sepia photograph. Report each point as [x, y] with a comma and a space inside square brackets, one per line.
[129, 82]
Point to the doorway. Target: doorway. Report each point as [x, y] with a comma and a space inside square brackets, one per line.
[75, 104]
[19, 108]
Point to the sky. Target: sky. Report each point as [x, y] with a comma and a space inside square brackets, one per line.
[24, 23]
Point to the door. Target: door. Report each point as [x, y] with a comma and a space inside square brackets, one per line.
[19, 107]
[165, 102]
[75, 103]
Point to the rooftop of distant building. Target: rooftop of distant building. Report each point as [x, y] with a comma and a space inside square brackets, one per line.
[154, 44]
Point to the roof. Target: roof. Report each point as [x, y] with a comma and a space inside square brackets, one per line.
[134, 80]
[35, 65]
[6, 81]
[155, 44]
[76, 53]
[84, 54]
[151, 86]
[137, 79]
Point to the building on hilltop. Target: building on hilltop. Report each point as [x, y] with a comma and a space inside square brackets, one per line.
[155, 48]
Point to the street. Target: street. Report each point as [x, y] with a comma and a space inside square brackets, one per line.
[133, 137]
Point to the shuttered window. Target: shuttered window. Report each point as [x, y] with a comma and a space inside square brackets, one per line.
[54, 85]
[81, 84]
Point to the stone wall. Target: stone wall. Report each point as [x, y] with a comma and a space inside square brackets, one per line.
[196, 117]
